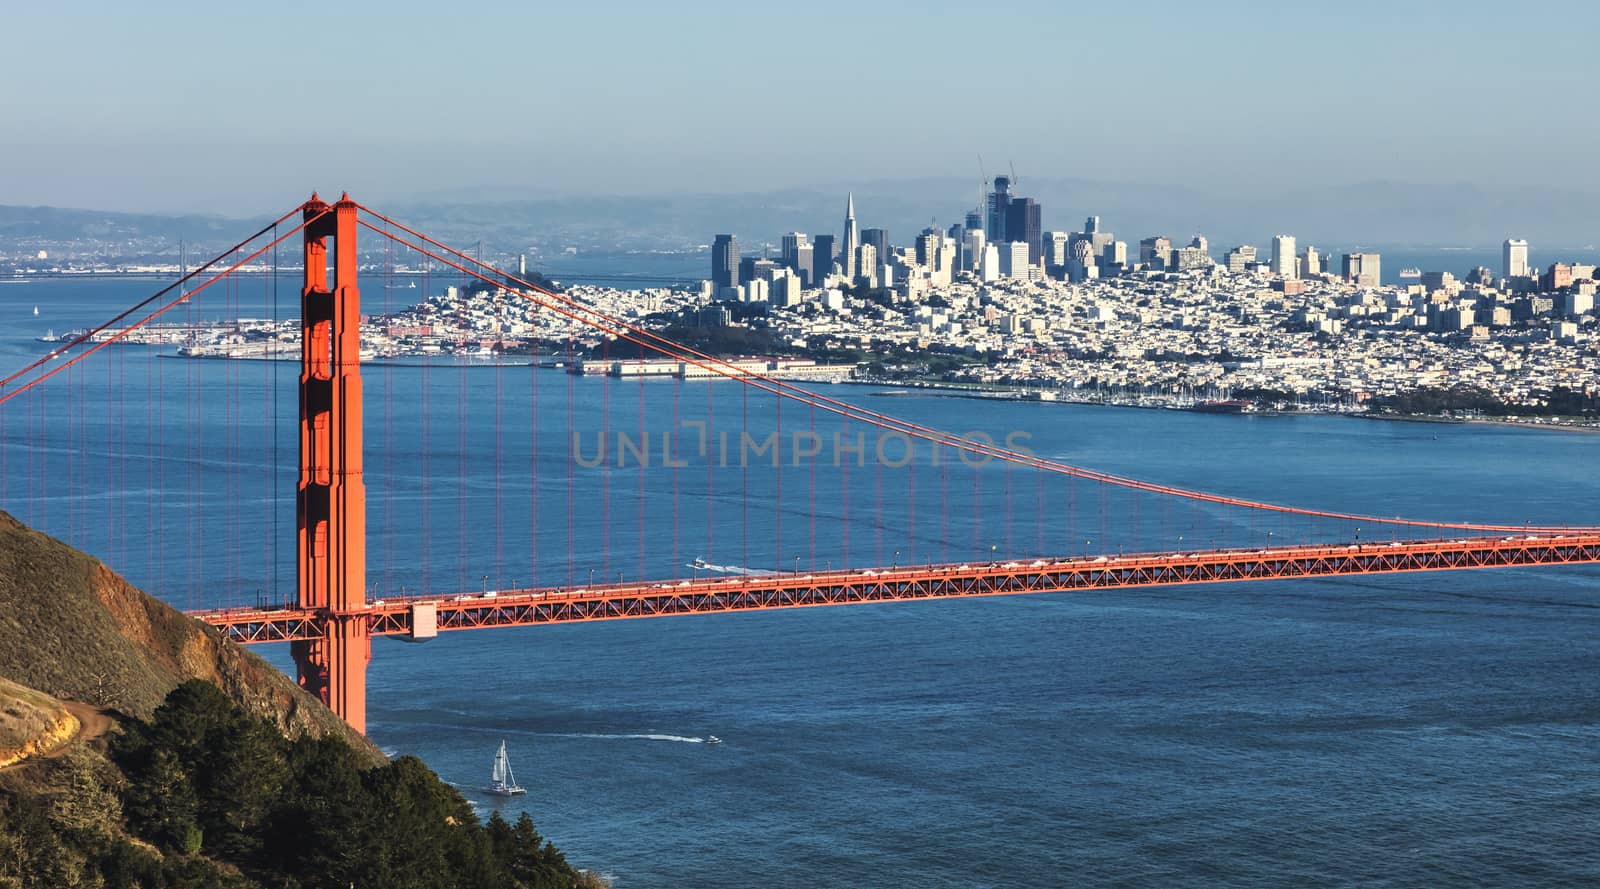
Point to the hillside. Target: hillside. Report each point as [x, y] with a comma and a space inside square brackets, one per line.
[73, 629]
[139, 748]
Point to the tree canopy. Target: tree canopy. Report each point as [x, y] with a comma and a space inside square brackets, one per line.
[226, 800]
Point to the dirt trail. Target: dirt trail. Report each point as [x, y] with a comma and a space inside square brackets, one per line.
[91, 724]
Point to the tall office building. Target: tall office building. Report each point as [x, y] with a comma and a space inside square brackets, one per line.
[1516, 259]
[1195, 256]
[1240, 257]
[1154, 252]
[947, 263]
[1080, 264]
[852, 240]
[974, 221]
[789, 254]
[994, 225]
[1022, 224]
[822, 257]
[1310, 263]
[927, 245]
[724, 264]
[867, 264]
[1056, 245]
[958, 236]
[1362, 269]
[791, 244]
[989, 265]
[972, 250]
[879, 239]
[754, 267]
[1014, 260]
[1283, 258]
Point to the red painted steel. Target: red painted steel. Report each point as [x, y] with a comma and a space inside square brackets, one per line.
[610, 602]
[331, 499]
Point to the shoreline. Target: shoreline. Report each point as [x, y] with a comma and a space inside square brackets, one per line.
[1530, 423]
[981, 394]
[984, 393]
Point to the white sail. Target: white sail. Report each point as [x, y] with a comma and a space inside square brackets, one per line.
[502, 766]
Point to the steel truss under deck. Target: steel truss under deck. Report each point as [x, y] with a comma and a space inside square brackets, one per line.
[514, 608]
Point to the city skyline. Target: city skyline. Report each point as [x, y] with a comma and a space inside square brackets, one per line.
[1179, 94]
[1001, 237]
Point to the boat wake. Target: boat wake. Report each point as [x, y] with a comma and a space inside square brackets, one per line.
[739, 570]
[681, 739]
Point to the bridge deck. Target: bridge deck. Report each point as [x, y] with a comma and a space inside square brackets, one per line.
[510, 608]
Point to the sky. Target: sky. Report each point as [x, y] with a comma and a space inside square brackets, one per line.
[244, 108]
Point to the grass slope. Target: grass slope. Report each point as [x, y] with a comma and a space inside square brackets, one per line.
[73, 629]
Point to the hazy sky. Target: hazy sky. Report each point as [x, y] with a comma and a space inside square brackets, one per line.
[243, 108]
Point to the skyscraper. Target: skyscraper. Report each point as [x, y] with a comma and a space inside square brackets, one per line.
[1154, 252]
[1055, 246]
[791, 250]
[1362, 269]
[928, 246]
[994, 225]
[867, 264]
[1516, 259]
[724, 264]
[821, 259]
[791, 246]
[805, 265]
[1283, 258]
[1310, 263]
[879, 239]
[1080, 264]
[1022, 224]
[972, 250]
[1014, 262]
[852, 239]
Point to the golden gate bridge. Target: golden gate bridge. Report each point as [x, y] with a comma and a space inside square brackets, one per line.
[334, 616]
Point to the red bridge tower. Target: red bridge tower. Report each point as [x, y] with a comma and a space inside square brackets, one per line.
[331, 499]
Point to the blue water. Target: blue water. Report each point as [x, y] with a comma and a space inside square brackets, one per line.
[1415, 730]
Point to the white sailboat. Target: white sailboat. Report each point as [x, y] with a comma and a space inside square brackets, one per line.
[501, 781]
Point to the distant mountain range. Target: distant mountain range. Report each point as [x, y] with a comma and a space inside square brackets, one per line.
[25, 224]
[1363, 214]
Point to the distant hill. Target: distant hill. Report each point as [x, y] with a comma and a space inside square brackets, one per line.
[25, 224]
[1371, 214]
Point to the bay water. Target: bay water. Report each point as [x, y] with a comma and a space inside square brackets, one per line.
[1400, 730]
